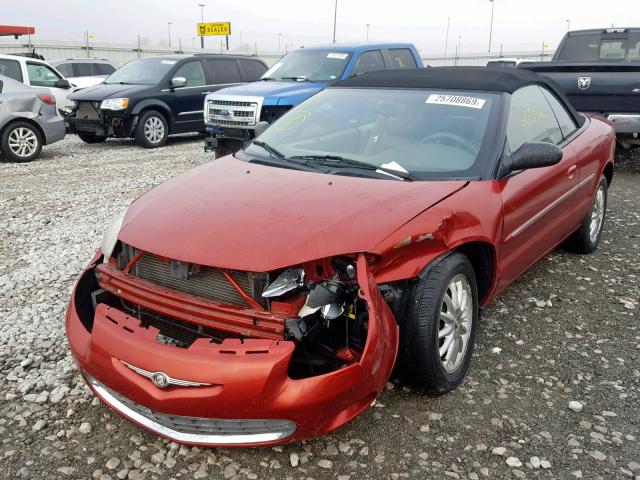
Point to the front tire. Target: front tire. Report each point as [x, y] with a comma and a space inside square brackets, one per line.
[21, 142]
[439, 330]
[152, 130]
[586, 238]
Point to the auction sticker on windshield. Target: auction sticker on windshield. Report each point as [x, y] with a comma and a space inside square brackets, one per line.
[456, 101]
[340, 56]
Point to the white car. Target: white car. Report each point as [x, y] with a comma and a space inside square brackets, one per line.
[38, 73]
[85, 72]
[507, 62]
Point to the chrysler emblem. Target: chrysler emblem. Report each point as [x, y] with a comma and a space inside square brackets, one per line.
[584, 82]
[162, 380]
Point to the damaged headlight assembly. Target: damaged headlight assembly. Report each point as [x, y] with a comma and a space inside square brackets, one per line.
[328, 296]
[110, 238]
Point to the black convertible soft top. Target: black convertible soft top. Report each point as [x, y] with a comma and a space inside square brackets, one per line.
[459, 78]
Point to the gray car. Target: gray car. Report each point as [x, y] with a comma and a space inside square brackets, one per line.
[29, 119]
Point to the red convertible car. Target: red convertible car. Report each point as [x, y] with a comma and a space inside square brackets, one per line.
[264, 297]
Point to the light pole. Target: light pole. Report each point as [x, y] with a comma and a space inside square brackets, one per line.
[169, 31]
[458, 49]
[201, 5]
[335, 18]
[568, 24]
[279, 39]
[491, 26]
[446, 42]
[368, 25]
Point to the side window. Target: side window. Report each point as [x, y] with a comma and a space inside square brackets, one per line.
[66, 69]
[193, 72]
[11, 69]
[531, 119]
[368, 62]
[252, 70]
[41, 75]
[103, 69]
[402, 58]
[567, 124]
[223, 71]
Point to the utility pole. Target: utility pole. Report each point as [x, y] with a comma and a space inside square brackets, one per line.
[458, 49]
[446, 42]
[368, 25]
[568, 24]
[491, 26]
[202, 5]
[335, 18]
[279, 38]
[139, 52]
[169, 32]
[86, 39]
[180, 44]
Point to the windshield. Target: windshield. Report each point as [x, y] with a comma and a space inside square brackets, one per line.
[429, 133]
[144, 71]
[312, 65]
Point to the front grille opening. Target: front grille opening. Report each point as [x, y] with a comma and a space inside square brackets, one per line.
[202, 281]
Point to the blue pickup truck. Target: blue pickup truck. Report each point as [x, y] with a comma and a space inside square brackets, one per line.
[231, 114]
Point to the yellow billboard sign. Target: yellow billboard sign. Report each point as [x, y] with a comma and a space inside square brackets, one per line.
[216, 28]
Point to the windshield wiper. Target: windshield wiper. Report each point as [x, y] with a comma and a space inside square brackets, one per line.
[272, 151]
[342, 162]
[265, 79]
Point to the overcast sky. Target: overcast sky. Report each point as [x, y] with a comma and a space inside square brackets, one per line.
[518, 24]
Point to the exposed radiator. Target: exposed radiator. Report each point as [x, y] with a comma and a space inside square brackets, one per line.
[208, 283]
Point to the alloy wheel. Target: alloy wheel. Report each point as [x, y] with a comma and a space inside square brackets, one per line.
[23, 142]
[597, 213]
[456, 317]
[154, 129]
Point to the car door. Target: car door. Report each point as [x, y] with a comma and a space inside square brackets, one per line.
[186, 102]
[538, 204]
[42, 75]
[368, 61]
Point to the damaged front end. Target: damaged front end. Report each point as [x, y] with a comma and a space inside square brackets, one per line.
[86, 117]
[302, 349]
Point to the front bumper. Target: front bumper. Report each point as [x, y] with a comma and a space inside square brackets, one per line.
[625, 122]
[104, 125]
[244, 397]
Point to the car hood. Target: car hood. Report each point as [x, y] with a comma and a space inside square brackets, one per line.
[99, 92]
[236, 215]
[275, 93]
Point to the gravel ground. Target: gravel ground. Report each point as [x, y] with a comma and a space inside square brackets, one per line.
[553, 391]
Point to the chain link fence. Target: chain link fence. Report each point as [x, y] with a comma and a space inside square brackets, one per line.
[52, 50]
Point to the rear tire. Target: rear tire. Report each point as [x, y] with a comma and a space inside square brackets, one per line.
[152, 130]
[586, 238]
[91, 138]
[439, 331]
[21, 142]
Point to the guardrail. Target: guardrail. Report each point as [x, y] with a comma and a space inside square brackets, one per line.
[120, 54]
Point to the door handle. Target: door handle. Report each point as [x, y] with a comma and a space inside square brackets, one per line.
[571, 171]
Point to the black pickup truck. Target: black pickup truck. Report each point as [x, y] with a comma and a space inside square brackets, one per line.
[599, 70]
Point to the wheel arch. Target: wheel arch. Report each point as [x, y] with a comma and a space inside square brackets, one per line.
[28, 120]
[608, 173]
[154, 104]
[482, 256]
